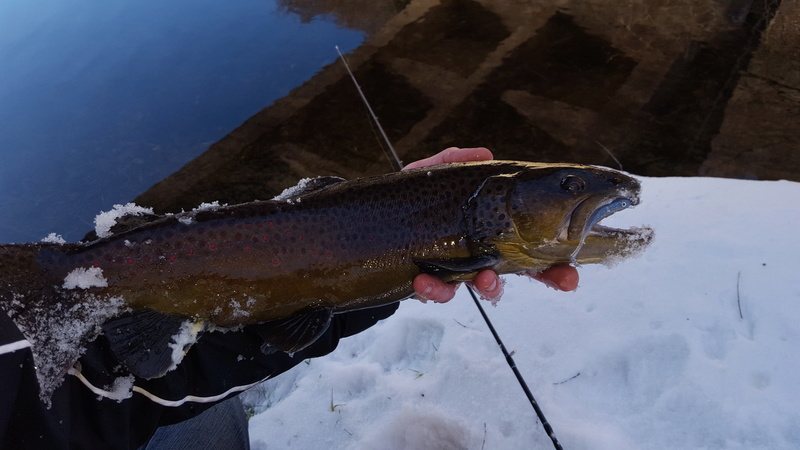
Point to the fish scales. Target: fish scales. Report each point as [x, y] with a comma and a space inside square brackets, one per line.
[337, 246]
[352, 247]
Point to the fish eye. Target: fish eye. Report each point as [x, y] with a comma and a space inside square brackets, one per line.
[572, 183]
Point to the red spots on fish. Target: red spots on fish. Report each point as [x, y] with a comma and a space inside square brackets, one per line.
[271, 224]
[191, 251]
[230, 243]
[130, 261]
[95, 265]
[172, 258]
[265, 238]
[275, 262]
[247, 247]
[300, 237]
[213, 246]
[314, 252]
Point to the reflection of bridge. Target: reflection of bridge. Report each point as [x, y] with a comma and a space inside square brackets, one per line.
[670, 87]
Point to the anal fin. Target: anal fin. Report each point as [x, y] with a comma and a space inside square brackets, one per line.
[294, 333]
[150, 343]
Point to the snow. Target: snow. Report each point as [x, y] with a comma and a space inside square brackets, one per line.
[104, 221]
[69, 324]
[120, 389]
[81, 278]
[289, 193]
[54, 238]
[650, 354]
[208, 206]
[183, 339]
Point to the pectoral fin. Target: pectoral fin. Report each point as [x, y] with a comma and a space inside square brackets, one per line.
[150, 343]
[453, 267]
[294, 333]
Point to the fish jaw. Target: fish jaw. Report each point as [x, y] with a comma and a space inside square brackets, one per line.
[596, 243]
[566, 224]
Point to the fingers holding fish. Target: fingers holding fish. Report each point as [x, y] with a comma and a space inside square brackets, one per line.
[560, 277]
[453, 154]
[428, 287]
[490, 286]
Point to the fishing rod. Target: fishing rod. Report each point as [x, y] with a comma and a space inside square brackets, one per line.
[509, 359]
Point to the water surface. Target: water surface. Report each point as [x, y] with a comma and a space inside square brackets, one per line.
[100, 100]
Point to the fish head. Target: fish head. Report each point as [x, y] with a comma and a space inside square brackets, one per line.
[556, 211]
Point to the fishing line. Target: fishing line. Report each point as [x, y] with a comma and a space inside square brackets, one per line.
[511, 363]
[369, 108]
[509, 359]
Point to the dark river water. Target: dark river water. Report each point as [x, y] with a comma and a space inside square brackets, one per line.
[100, 100]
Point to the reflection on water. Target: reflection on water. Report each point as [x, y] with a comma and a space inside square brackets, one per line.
[100, 100]
[658, 87]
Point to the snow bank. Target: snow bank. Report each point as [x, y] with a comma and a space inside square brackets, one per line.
[651, 354]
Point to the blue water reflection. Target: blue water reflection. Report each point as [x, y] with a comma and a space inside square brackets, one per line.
[101, 99]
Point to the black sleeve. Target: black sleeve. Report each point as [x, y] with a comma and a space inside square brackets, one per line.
[219, 366]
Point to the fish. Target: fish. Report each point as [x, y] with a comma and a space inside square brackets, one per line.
[153, 284]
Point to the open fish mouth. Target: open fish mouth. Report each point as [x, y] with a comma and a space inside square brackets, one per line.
[582, 227]
[584, 220]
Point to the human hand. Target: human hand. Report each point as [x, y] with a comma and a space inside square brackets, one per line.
[451, 155]
[487, 282]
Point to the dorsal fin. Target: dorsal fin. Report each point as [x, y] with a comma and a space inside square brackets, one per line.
[307, 186]
[121, 219]
[129, 222]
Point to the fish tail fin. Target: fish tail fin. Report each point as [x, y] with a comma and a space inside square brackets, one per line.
[58, 322]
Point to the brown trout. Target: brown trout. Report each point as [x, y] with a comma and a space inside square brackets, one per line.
[329, 246]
